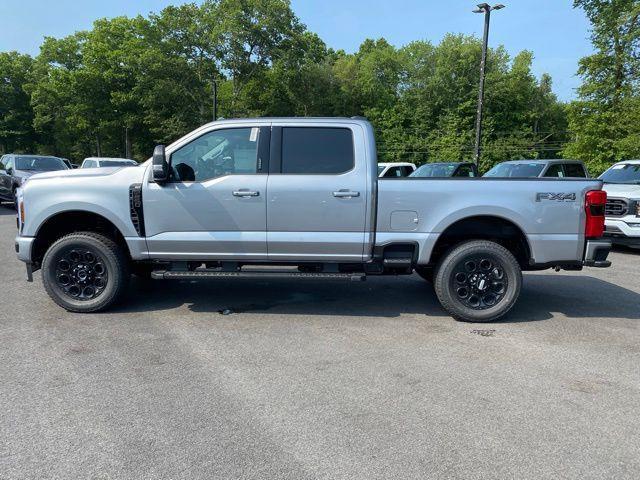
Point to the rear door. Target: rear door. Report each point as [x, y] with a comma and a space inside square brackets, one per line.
[214, 206]
[317, 193]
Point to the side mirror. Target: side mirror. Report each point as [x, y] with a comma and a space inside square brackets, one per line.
[160, 165]
[9, 171]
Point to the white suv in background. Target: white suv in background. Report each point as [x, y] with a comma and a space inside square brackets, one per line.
[98, 162]
[622, 184]
[395, 169]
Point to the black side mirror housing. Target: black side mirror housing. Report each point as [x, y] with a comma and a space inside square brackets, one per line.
[160, 165]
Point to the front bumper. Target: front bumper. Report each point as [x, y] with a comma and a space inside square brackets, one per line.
[596, 253]
[623, 231]
[24, 246]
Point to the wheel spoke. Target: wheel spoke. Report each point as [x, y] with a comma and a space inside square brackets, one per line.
[479, 281]
[81, 273]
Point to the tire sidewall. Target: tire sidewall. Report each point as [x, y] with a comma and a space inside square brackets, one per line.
[448, 297]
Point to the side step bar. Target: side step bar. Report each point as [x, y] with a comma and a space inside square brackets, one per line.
[193, 275]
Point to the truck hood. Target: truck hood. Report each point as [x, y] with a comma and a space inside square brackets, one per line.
[620, 190]
[77, 173]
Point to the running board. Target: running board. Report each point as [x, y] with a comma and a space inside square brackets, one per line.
[193, 275]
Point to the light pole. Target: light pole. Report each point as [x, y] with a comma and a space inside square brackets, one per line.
[215, 100]
[486, 9]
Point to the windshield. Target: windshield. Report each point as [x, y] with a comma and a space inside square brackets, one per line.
[625, 173]
[517, 170]
[115, 163]
[380, 169]
[435, 170]
[40, 164]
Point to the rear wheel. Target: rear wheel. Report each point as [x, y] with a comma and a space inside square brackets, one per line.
[478, 281]
[85, 272]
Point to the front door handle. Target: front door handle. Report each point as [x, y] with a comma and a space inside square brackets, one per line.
[245, 193]
[345, 194]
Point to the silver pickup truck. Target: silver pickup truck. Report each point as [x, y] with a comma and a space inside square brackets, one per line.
[300, 197]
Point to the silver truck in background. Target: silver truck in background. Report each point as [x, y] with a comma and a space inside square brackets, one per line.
[300, 197]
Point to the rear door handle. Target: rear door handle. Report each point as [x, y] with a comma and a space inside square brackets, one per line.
[245, 193]
[345, 194]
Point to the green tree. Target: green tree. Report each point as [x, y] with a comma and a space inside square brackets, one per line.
[603, 121]
[16, 115]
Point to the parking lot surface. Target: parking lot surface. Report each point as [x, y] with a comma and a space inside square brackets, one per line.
[304, 379]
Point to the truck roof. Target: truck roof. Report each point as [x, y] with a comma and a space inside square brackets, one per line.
[296, 120]
[632, 162]
[544, 161]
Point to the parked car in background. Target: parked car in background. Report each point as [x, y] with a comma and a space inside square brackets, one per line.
[622, 184]
[99, 162]
[539, 169]
[395, 169]
[68, 163]
[446, 169]
[15, 169]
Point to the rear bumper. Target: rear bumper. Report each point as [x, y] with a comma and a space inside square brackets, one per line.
[596, 253]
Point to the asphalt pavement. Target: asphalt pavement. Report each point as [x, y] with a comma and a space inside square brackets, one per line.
[320, 379]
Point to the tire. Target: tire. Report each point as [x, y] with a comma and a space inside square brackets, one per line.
[426, 272]
[478, 281]
[85, 272]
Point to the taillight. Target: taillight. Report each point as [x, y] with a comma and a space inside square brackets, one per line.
[595, 202]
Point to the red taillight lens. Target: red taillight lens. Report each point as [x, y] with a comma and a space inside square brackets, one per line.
[594, 207]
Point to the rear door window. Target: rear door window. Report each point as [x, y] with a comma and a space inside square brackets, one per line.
[406, 171]
[574, 170]
[465, 171]
[393, 172]
[555, 171]
[317, 150]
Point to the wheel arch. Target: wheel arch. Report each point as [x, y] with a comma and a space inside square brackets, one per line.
[69, 221]
[497, 228]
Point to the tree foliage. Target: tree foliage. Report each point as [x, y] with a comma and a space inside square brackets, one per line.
[604, 120]
[149, 80]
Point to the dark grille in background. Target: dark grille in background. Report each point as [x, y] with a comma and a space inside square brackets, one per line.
[616, 208]
[135, 208]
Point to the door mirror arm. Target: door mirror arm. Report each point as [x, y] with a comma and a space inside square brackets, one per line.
[161, 167]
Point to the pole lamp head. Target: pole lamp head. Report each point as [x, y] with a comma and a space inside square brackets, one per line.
[485, 8]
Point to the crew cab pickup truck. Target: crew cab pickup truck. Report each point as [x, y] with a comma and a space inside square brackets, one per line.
[300, 197]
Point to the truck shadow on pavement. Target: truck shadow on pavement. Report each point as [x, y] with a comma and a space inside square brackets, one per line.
[542, 297]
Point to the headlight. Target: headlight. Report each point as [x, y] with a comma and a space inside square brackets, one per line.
[636, 207]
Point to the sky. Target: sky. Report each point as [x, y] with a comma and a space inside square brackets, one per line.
[557, 34]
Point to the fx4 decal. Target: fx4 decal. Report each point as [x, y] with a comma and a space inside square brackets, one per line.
[557, 197]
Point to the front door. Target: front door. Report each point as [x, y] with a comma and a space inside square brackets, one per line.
[214, 205]
[317, 194]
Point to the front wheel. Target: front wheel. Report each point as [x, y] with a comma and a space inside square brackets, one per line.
[478, 281]
[85, 272]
